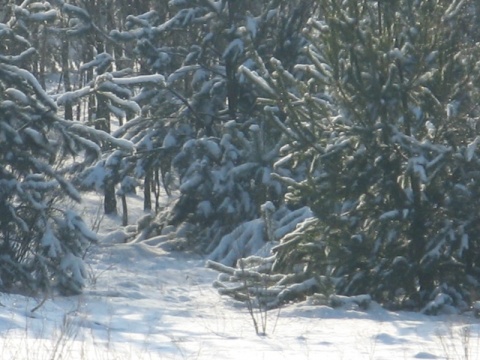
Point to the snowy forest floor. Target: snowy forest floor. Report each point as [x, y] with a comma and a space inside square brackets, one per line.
[144, 303]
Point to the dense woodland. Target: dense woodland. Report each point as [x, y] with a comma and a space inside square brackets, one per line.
[309, 147]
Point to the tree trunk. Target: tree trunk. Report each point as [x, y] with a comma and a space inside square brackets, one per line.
[103, 123]
[417, 229]
[231, 64]
[91, 105]
[156, 191]
[43, 55]
[124, 210]
[147, 197]
[110, 201]
[232, 88]
[66, 75]
[417, 234]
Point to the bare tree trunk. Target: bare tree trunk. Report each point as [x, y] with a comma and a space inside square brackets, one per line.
[110, 201]
[88, 76]
[156, 191]
[43, 55]
[66, 75]
[147, 196]
[102, 122]
[235, 10]
[124, 210]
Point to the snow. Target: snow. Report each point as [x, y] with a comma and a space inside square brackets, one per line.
[180, 73]
[99, 61]
[121, 143]
[51, 243]
[46, 16]
[17, 95]
[141, 302]
[390, 215]
[430, 129]
[32, 81]
[454, 8]
[471, 148]
[191, 183]
[248, 235]
[72, 96]
[463, 244]
[76, 11]
[252, 26]
[131, 105]
[169, 141]
[260, 82]
[233, 49]
[37, 137]
[212, 148]
[140, 79]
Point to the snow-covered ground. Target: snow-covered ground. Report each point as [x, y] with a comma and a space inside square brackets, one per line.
[144, 303]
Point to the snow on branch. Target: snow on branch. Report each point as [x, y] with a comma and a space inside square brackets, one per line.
[128, 104]
[75, 222]
[101, 135]
[248, 236]
[157, 79]
[46, 16]
[77, 12]
[73, 96]
[289, 222]
[454, 9]
[180, 73]
[11, 59]
[32, 81]
[257, 80]
[17, 95]
[253, 237]
[251, 281]
[101, 61]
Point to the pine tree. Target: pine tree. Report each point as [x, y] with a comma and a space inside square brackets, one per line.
[42, 243]
[224, 182]
[209, 106]
[384, 114]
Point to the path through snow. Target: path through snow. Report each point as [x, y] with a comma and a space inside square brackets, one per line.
[144, 303]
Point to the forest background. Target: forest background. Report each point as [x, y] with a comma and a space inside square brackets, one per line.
[336, 141]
